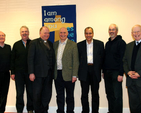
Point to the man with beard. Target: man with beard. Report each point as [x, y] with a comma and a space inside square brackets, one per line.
[5, 54]
[19, 71]
[132, 68]
[113, 69]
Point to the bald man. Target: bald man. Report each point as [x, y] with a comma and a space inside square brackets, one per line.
[113, 69]
[5, 55]
[40, 67]
[132, 68]
[66, 70]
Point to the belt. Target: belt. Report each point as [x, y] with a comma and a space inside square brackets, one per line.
[90, 64]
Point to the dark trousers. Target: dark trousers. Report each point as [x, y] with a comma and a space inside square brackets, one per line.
[42, 92]
[93, 82]
[113, 91]
[134, 93]
[62, 86]
[4, 86]
[22, 81]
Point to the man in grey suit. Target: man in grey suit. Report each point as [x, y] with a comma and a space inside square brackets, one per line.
[66, 69]
[40, 67]
[132, 68]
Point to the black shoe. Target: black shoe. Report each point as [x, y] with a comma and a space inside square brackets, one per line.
[30, 111]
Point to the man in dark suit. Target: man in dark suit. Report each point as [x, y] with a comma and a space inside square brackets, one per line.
[19, 71]
[91, 53]
[5, 55]
[132, 68]
[113, 69]
[40, 68]
[66, 69]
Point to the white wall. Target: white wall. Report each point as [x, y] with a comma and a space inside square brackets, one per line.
[98, 14]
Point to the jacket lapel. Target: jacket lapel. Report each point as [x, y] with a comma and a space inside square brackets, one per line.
[131, 52]
[66, 47]
[56, 48]
[94, 49]
[139, 54]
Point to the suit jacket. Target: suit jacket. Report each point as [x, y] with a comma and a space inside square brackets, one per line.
[127, 63]
[19, 56]
[39, 58]
[98, 53]
[70, 60]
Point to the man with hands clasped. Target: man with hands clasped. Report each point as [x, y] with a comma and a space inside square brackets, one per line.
[132, 68]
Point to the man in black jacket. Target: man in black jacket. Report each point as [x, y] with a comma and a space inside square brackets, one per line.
[113, 69]
[19, 71]
[40, 67]
[5, 55]
[91, 53]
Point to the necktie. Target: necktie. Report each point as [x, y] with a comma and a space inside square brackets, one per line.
[47, 45]
[137, 43]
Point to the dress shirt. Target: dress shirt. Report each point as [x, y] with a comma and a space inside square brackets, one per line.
[137, 42]
[24, 43]
[89, 52]
[60, 54]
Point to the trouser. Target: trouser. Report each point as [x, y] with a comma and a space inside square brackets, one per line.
[22, 81]
[42, 92]
[134, 93]
[4, 86]
[113, 91]
[93, 82]
[62, 86]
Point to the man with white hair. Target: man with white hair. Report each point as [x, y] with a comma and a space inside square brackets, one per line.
[132, 68]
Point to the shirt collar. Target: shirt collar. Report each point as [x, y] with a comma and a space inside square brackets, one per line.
[138, 41]
[63, 42]
[90, 43]
[23, 42]
[2, 46]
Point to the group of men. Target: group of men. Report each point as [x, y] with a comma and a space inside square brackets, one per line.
[35, 63]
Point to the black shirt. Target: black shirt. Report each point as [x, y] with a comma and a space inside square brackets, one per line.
[5, 55]
[114, 51]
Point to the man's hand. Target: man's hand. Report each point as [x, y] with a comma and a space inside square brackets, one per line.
[32, 77]
[133, 74]
[130, 73]
[74, 79]
[120, 78]
[13, 76]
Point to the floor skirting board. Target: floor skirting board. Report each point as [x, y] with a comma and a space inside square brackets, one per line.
[53, 109]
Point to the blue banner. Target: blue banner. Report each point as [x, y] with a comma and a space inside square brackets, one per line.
[55, 17]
